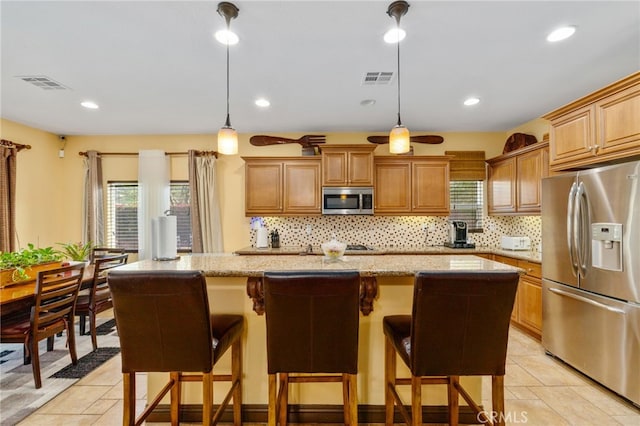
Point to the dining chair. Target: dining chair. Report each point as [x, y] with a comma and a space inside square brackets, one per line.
[312, 335]
[459, 326]
[99, 252]
[97, 298]
[164, 325]
[56, 293]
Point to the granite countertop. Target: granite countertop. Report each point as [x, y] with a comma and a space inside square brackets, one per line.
[532, 256]
[227, 265]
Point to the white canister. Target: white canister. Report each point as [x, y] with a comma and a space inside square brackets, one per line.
[262, 240]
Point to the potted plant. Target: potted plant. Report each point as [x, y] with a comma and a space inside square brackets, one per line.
[24, 264]
[76, 251]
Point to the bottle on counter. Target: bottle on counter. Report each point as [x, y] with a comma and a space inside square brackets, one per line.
[275, 239]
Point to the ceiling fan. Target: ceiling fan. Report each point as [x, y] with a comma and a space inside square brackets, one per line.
[429, 139]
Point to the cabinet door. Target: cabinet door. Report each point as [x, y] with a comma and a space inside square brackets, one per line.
[573, 137]
[513, 262]
[302, 187]
[430, 187]
[502, 186]
[334, 168]
[263, 188]
[393, 186]
[531, 169]
[530, 304]
[360, 169]
[619, 123]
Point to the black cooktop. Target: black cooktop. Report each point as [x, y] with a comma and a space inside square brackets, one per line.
[358, 247]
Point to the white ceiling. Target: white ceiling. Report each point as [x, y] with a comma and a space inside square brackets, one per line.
[155, 68]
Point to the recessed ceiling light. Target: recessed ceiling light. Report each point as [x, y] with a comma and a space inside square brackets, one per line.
[471, 101]
[89, 105]
[561, 33]
[227, 37]
[395, 35]
[367, 102]
[262, 102]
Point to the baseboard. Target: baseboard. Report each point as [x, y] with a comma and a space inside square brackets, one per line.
[257, 413]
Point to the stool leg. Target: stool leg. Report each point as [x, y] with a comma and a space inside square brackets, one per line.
[236, 377]
[453, 396]
[272, 412]
[207, 398]
[497, 398]
[175, 398]
[353, 399]
[416, 400]
[283, 398]
[129, 391]
[346, 409]
[389, 380]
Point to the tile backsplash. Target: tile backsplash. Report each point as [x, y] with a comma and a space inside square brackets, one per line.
[394, 231]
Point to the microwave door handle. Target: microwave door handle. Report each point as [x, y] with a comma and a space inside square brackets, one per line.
[360, 202]
[570, 232]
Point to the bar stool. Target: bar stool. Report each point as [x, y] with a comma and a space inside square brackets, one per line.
[459, 327]
[164, 325]
[312, 327]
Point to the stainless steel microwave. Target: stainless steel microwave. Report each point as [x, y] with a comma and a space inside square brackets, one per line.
[347, 200]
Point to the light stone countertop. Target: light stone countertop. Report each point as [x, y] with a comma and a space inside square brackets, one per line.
[226, 265]
[532, 256]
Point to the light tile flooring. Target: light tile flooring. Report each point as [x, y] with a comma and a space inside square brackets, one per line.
[539, 391]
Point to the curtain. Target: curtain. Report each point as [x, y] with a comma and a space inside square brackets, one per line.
[7, 198]
[93, 217]
[206, 226]
[153, 195]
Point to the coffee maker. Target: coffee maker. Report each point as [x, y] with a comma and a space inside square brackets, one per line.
[458, 235]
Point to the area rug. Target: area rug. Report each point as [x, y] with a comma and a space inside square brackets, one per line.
[18, 395]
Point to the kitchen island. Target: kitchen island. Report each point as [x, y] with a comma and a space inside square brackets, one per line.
[230, 277]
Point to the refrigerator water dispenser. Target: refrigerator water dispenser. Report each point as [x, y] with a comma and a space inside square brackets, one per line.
[606, 246]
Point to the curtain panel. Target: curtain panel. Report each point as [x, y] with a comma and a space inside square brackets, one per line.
[7, 198]
[153, 196]
[206, 226]
[93, 206]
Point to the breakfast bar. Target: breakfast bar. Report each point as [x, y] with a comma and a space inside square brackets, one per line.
[234, 286]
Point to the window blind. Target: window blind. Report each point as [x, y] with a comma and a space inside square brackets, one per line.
[466, 203]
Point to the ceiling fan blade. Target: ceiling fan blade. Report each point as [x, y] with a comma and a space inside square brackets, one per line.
[430, 139]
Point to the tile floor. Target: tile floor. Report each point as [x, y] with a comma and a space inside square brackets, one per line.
[539, 391]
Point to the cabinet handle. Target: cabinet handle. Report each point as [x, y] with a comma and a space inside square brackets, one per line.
[596, 147]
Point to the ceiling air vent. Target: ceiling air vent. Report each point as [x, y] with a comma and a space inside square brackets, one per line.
[43, 82]
[380, 78]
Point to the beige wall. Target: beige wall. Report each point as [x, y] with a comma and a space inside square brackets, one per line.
[49, 200]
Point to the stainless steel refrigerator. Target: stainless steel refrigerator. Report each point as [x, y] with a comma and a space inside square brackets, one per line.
[591, 274]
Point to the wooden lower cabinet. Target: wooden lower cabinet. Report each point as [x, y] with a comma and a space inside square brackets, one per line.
[527, 309]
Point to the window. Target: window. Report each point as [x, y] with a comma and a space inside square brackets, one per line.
[122, 214]
[466, 203]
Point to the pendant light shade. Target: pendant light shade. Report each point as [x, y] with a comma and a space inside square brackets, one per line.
[227, 136]
[399, 137]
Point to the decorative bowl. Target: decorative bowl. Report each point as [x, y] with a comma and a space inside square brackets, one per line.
[333, 249]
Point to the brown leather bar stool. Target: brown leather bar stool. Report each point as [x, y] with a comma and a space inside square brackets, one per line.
[459, 327]
[164, 325]
[312, 327]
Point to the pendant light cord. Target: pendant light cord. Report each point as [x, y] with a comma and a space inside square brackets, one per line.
[228, 122]
[398, 27]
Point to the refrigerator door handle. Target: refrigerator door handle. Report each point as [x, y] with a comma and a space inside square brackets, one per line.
[582, 223]
[585, 300]
[570, 229]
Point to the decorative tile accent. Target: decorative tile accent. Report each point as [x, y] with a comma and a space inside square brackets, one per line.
[394, 231]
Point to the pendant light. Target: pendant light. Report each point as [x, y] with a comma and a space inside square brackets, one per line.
[227, 135]
[399, 135]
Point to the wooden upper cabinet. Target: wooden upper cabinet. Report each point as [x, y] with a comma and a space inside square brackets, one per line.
[392, 190]
[430, 187]
[263, 187]
[405, 185]
[347, 165]
[601, 127]
[282, 186]
[515, 180]
[302, 187]
[502, 186]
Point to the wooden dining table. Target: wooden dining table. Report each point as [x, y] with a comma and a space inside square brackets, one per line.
[19, 297]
